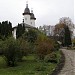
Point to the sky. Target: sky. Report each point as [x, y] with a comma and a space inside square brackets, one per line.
[47, 12]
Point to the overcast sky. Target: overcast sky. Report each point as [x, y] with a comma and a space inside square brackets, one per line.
[46, 11]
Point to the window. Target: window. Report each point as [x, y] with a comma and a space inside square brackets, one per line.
[25, 18]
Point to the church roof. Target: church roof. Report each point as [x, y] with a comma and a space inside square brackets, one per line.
[27, 10]
[32, 16]
[26, 26]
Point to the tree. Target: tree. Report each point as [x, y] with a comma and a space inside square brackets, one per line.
[1, 47]
[31, 35]
[20, 30]
[10, 28]
[5, 29]
[0, 28]
[60, 29]
[44, 46]
[68, 22]
[11, 51]
[67, 36]
[24, 46]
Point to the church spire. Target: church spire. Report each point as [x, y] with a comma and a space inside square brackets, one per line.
[32, 14]
[26, 4]
[31, 10]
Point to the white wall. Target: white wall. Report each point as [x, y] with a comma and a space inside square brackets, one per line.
[27, 19]
[32, 22]
[14, 33]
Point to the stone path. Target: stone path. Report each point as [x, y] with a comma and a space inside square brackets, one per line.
[69, 67]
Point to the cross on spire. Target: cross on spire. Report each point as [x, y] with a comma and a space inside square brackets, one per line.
[31, 10]
[27, 4]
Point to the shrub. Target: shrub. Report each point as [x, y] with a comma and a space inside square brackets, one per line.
[11, 51]
[24, 46]
[56, 46]
[30, 35]
[51, 58]
[73, 42]
[44, 46]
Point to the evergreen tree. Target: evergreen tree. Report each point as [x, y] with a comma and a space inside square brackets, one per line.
[10, 28]
[67, 36]
[20, 30]
[5, 29]
[0, 28]
[23, 29]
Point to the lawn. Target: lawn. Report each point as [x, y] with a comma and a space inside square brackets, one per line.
[29, 66]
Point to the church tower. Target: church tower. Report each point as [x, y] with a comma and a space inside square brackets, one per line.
[32, 19]
[26, 15]
[29, 18]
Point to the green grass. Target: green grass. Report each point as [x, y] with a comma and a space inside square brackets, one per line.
[28, 67]
[58, 55]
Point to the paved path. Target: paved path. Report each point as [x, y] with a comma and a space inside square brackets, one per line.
[69, 67]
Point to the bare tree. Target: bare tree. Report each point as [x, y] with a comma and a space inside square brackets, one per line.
[67, 21]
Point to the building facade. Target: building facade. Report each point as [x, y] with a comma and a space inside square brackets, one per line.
[28, 20]
[47, 29]
[29, 17]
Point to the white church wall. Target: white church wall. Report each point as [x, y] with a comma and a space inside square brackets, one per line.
[32, 22]
[27, 19]
[14, 33]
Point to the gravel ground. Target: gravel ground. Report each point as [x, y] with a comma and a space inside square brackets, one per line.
[69, 67]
